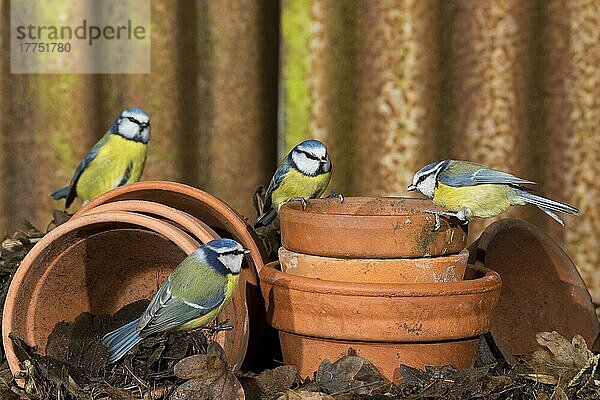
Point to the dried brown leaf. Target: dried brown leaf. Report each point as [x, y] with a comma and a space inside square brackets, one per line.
[302, 395]
[270, 383]
[349, 373]
[209, 376]
[573, 354]
[205, 366]
[559, 361]
[226, 387]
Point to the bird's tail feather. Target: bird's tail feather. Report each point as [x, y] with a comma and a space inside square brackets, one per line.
[553, 215]
[121, 340]
[60, 193]
[550, 207]
[266, 218]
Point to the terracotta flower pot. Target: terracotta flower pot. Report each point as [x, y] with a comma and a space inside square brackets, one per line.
[182, 220]
[236, 340]
[390, 324]
[97, 263]
[226, 222]
[197, 203]
[450, 268]
[368, 227]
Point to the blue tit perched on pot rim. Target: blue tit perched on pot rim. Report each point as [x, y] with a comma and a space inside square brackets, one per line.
[192, 296]
[117, 159]
[303, 174]
[468, 189]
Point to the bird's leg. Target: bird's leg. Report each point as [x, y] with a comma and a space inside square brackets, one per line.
[437, 213]
[437, 225]
[335, 194]
[302, 201]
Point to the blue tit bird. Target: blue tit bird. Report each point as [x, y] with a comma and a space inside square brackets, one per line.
[468, 189]
[191, 297]
[118, 158]
[303, 174]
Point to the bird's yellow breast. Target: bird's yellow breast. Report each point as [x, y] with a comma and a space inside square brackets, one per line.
[296, 184]
[108, 168]
[478, 201]
[230, 289]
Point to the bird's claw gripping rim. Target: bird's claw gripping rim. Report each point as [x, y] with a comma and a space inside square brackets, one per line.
[336, 194]
[220, 326]
[302, 201]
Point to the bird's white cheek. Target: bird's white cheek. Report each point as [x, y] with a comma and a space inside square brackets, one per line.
[233, 262]
[427, 187]
[128, 129]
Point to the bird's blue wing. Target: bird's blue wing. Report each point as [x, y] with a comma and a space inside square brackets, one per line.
[275, 183]
[166, 312]
[192, 290]
[89, 157]
[463, 173]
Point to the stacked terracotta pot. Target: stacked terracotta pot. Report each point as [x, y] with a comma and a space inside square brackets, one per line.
[118, 249]
[372, 274]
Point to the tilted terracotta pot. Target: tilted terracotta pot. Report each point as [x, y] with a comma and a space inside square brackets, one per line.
[197, 203]
[235, 340]
[390, 324]
[182, 220]
[368, 227]
[97, 263]
[542, 289]
[226, 222]
[450, 268]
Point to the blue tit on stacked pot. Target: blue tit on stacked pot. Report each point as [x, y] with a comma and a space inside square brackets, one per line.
[303, 174]
[468, 189]
[191, 297]
[117, 159]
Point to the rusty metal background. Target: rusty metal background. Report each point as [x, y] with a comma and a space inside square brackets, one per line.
[392, 85]
[389, 85]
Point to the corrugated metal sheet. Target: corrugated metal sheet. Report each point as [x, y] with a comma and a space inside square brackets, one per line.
[396, 84]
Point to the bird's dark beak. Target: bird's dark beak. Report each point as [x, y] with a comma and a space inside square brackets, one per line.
[246, 251]
[411, 187]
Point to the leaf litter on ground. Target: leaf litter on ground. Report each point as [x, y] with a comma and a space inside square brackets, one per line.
[191, 366]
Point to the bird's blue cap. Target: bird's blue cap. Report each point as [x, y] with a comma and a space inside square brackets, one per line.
[311, 143]
[135, 110]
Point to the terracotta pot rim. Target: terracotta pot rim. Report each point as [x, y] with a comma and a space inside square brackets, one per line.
[489, 282]
[464, 252]
[294, 207]
[172, 233]
[381, 342]
[222, 208]
[196, 227]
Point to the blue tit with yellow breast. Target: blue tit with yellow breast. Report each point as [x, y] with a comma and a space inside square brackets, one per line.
[118, 158]
[468, 189]
[303, 174]
[192, 296]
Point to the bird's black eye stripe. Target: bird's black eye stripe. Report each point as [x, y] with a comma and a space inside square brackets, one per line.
[307, 154]
[135, 121]
[234, 252]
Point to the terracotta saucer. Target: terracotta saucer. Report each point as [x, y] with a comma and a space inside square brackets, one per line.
[541, 287]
